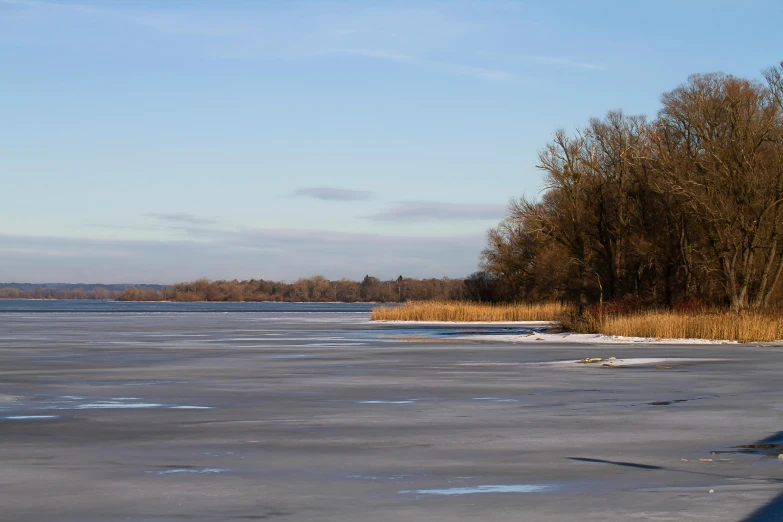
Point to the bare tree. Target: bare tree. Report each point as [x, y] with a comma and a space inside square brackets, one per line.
[718, 143]
[562, 214]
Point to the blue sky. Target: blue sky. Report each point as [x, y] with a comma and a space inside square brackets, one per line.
[159, 141]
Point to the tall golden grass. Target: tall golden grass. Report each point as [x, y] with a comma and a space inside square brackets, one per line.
[457, 311]
[715, 325]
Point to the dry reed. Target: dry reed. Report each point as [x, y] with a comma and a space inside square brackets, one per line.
[718, 325]
[457, 311]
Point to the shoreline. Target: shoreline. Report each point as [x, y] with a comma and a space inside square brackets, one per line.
[211, 302]
[562, 337]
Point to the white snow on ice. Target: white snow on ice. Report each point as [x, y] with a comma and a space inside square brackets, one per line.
[565, 337]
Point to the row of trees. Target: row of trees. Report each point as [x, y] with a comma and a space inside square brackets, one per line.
[683, 207]
[313, 289]
[59, 293]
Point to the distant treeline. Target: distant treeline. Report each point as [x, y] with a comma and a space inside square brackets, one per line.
[682, 208]
[65, 290]
[113, 287]
[312, 289]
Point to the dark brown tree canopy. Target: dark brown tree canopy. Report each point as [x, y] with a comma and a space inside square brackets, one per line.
[687, 206]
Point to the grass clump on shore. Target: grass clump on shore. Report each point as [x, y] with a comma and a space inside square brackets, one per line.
[711, 325]
[457, 311]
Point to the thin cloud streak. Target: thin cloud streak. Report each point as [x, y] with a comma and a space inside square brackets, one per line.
[568, 63]
[435, 66]
[239, 39]
[182, 218]
[333, 194]
[412, 211]
[53, 5]
[284, 254]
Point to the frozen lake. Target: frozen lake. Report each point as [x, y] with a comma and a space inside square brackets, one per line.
[261, 411]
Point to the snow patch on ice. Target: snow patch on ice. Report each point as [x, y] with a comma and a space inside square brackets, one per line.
[410, 401]
[636, 361]
[30, 417]
[107, 405]
[501, 488]
[188, 470]
[574, 338]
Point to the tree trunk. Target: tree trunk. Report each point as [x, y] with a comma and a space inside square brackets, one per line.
[582, 290]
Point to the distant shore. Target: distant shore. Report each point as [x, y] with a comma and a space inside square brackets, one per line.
[315, 289]
[204, 301]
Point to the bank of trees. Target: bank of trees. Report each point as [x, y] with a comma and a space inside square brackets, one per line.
[682, 208]
[312, 289]
[58, 293]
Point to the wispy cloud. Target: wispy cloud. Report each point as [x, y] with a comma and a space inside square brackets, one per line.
[568, 63]
[438, 39]
[71, 7]
[334, 194]
[253, 252]
[180, 218]
[435, 66]
[407, 211]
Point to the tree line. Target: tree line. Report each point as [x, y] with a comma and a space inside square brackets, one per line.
[66, 290]
[682, 208]
[58, 293]
[312, 289]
